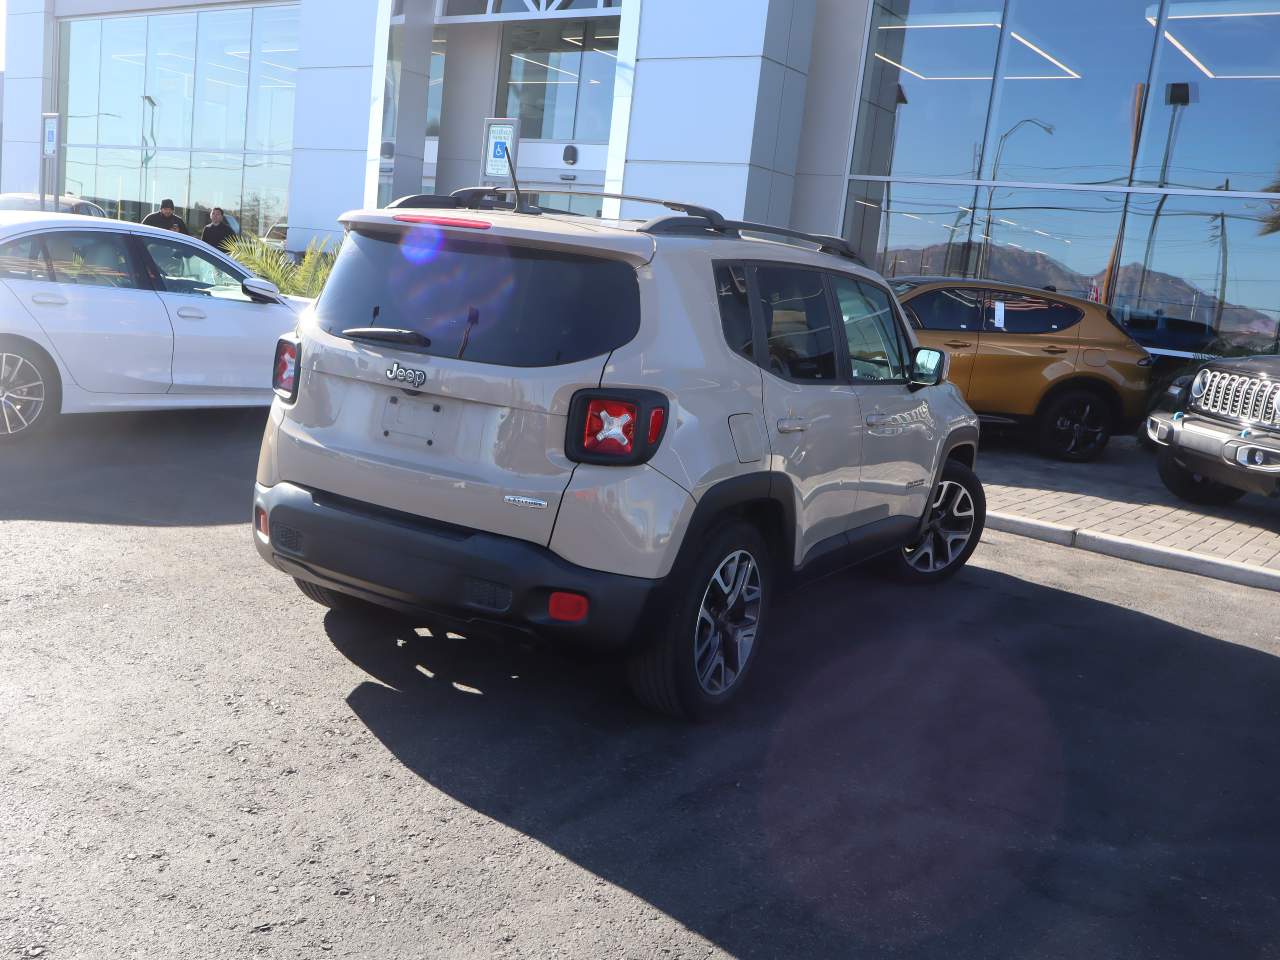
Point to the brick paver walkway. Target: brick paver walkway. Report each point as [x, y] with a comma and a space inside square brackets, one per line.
[1121, 495]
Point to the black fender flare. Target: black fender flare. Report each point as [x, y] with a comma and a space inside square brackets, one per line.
[743, 495]
[957, 439]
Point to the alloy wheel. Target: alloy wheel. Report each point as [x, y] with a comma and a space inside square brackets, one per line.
[728, 621]
[1080, 426]
[947, 531]
[22, 393]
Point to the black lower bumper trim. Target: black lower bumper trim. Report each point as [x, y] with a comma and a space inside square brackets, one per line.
[465, 577]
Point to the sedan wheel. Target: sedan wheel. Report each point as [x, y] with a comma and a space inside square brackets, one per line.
[24, 393]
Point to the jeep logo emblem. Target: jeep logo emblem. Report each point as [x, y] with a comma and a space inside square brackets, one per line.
[405, 375]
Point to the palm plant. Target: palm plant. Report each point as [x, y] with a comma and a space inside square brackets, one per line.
[299, 278]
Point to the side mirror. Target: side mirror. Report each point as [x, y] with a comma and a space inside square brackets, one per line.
[929, 368]
[260, 291]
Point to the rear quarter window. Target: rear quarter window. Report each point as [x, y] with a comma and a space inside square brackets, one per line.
[483, 301]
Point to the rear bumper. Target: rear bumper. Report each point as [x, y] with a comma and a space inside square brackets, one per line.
[456, 575]
[1214, 450]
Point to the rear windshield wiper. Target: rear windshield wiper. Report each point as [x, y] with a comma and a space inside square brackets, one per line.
[388, 335]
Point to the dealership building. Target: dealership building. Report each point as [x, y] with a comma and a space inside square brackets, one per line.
[1122, 150]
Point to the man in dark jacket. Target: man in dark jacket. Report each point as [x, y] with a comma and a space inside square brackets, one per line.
[218, 231]
[165, 219]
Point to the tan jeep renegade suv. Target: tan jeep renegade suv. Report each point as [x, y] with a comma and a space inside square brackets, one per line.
[618, 433]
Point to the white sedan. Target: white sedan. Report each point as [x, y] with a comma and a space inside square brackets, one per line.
[100, 315]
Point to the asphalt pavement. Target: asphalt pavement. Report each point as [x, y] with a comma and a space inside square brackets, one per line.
[1055, 755]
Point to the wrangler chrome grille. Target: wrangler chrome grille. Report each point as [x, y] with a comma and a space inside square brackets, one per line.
[1240, 398]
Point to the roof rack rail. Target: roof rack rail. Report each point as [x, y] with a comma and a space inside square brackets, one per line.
[486, 198]
[689, 219]
[696, 223]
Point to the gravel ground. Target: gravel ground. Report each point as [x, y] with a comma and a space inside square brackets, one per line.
[1054, 755]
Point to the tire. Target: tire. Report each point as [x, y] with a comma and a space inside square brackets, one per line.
[1075, 425]
[339, 602]
[30, 391]
[687, 670]
[1191, 486]
[957, 506]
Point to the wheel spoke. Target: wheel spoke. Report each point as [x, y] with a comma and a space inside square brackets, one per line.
[17, 413]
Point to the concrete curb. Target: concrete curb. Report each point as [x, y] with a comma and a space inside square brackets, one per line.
[1137, 551]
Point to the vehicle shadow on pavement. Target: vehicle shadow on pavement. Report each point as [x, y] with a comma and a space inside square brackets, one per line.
[187, 468]
[1040, 775]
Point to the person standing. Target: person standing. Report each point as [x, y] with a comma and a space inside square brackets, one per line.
[218, 231]
[165, 218]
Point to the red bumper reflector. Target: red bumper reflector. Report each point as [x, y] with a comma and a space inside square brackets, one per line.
[443, 221]
[567, 607]
[260, 522]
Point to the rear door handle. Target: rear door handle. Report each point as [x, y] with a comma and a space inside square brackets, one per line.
[877, 421]
[792, 425]
[49, 299]
[958, 343]
[1055, 349]
[191, 313]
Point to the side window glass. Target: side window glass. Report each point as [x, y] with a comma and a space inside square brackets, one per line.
[735, 309]
[184, 269]
[1015, 313]
[797, 324]
[959, 308]
[92, 258]
[875, 349]
[24, 260]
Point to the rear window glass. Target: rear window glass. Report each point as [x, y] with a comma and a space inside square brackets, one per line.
[483, 301]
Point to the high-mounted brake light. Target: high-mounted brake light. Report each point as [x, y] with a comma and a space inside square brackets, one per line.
[615, 427]
[285, 374]
[443, 221]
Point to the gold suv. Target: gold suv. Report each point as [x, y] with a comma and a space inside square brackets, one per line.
[1019, 355]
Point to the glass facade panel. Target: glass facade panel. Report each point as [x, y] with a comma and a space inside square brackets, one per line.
[169, 98]
[1215, 97]
[222, 80]
[1062, 239]
[912, 229]
[1069, 92]
[557, 77]
[81, 172]
[207, 97]
[435, 87]
[81, 63]
[1199, 274]
[119, 184]
[264, 209]
[217, 180]
[166, 175]
[273, 71]
[123, 81]
[927, 88]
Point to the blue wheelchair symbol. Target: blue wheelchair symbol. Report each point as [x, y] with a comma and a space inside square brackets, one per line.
[499, 150]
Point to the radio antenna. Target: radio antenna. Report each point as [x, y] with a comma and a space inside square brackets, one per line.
[511, 167]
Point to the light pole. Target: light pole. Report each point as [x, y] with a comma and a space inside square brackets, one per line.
[995, 175]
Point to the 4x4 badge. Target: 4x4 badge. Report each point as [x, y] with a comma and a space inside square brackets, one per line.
[406, 375]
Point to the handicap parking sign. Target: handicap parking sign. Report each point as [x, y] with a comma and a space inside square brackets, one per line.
[500, 137]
